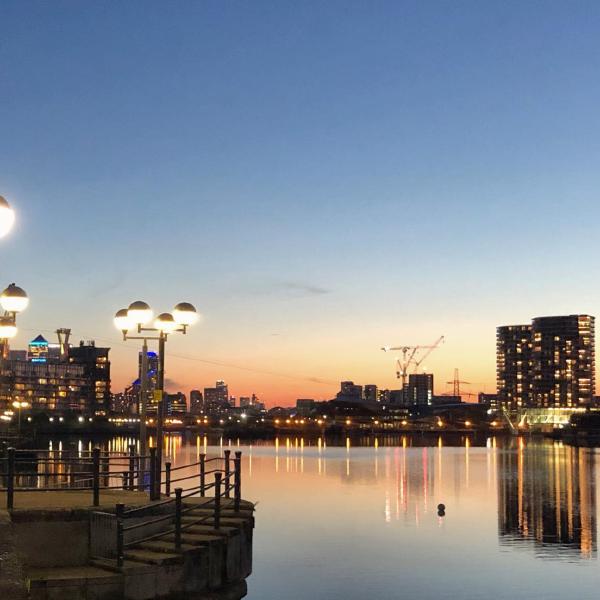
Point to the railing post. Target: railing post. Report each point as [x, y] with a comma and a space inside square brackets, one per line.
[105, 464]
[10, 483]
[178, 492]
[227, 454]
[131, 464]
[69, 466]
[125, 479]
[152, 473]
[202, 475]
[168, 479]
[237, 481]
[96, 476]
[218, 500]
[119, 510]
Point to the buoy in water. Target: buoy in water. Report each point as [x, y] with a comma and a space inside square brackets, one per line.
[441, 510]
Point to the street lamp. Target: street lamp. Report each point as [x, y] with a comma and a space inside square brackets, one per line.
[19, 405]
[13, 300]
[7, 217]
[136, 317]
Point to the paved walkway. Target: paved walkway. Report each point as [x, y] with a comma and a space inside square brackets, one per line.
[72, 499]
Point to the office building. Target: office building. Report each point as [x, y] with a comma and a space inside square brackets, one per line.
[216, 397]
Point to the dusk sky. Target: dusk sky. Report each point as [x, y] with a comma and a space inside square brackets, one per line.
[319, 179]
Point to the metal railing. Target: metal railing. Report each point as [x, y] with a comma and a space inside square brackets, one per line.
[165, 518]
[43, 470]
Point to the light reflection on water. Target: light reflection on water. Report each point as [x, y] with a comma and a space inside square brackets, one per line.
[349, 521]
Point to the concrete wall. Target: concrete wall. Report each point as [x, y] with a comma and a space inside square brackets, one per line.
[57, 538]
[12, 576]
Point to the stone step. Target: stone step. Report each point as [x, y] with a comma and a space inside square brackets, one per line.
[228, 512]
[223, 531]
[110, 564]
[152, 557]
[195, 539]
[225, 521]
[73, 582]
[226, 503]
[163, 546]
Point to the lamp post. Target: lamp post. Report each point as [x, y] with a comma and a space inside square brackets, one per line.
[136, 318]
[19, 405]
[13, 300]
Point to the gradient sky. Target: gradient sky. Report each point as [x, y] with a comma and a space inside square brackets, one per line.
[320, 179]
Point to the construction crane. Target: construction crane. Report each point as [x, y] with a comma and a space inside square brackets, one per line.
[456, 383]
[410, 357]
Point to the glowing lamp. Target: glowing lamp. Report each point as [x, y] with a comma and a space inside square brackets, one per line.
[14, 299]
[139, 312]
[122, 320]
[7, 217]
[8, 329]
[165, 323]
[185, 314]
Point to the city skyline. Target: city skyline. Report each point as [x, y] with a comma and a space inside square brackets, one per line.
[317, 187]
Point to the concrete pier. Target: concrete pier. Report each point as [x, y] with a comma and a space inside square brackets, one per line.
[47, 554]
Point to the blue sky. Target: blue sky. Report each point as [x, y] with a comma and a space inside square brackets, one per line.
[320, 179]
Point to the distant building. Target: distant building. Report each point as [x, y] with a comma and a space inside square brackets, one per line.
[125, 402]
[420, 389]
[196, 402]
[371, 394]
[490, 400]
[96, 370]
[79, 381]
[383, 396]
[350, 392]
[396, 397]
[548, 364]
[304, 406]
[251, 402]
[446, 399]
[216, 397]
[152, 380]
[175, 404]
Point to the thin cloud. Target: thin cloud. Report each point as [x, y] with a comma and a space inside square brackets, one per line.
[303, 289]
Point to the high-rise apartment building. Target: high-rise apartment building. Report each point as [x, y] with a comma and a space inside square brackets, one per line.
[513, 366]
[563, 361]
[548, 364]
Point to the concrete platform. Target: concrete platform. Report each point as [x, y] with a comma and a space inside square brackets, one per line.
[73, 499]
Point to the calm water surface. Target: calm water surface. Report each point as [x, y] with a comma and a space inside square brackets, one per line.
[346, 521]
